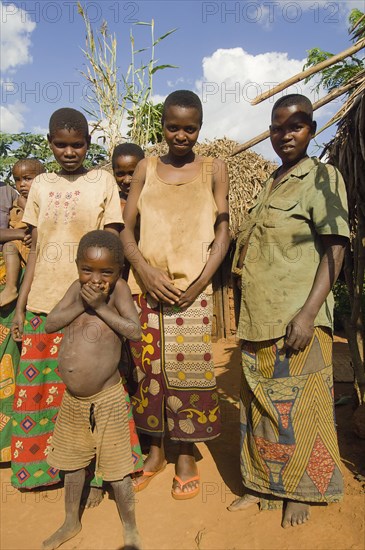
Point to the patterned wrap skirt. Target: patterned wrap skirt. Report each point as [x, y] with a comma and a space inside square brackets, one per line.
[175, 387]
[289, 446]
[38, 395]
[9, 359]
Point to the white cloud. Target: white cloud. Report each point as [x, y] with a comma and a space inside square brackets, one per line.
[177, 83]
[11, 118]
[40, 130]
[16, 28]
[233, 77]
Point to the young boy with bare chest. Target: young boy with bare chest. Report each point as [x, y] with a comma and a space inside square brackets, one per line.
[97, 311]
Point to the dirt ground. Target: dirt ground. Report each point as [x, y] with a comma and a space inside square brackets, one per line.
[204, 523]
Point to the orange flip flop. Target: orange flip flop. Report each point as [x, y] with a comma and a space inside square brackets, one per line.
[137, 487]
[190, 494]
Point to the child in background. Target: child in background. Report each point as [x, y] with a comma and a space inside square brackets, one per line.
[124, 161]
[289, 450]
[182, 201]
[93, 419]
[16, 251]
[60, 209]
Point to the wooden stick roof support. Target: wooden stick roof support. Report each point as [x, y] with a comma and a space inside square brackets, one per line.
[308, 72]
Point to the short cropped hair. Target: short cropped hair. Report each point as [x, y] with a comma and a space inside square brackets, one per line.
[127, 150]
[294, 99]
[101, 239]
[35, 165]
[69, 119]
[183, 98]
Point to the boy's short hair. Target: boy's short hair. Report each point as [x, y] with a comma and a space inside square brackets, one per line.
[294, 99]
[69, 119]
[101, 239]
[34, 164]
[183, 98]
[127, 150]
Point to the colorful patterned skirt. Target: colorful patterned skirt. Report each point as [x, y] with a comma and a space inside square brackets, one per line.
[9, 359]
[38, 395]
[289, 443]
[174, 371]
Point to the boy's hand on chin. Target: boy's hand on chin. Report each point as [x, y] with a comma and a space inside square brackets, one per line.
[95, 295]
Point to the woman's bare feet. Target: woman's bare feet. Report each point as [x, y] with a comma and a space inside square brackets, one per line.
[243, 503]
[295, 513]
[64, 533]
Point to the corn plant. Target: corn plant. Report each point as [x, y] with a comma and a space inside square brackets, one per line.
[114, 99]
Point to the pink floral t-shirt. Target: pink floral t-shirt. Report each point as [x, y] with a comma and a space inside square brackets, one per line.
[64, 208]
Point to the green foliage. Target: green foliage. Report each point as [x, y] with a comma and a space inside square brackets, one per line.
[113, 99]
[145, 124]
[357, 24]
[341, 72]
[14, 147]
[342, 304]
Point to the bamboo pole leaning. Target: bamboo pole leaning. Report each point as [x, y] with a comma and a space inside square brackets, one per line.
[308, 72]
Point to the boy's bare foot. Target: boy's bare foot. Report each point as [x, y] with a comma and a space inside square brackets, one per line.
[7, 296]
[132, 540]
[93, 497]
[296, 513]
[243, 503]
[185, 469]
[63, 534]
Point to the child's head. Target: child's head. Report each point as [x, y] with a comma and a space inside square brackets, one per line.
[24, 172]
[100, 259]
[124, 161]
[182, 118]
[292, 127]
[69, 139]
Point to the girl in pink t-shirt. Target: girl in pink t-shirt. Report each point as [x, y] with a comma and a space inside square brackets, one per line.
[60, 209]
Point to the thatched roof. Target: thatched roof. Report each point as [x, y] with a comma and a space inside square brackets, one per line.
[347, 149]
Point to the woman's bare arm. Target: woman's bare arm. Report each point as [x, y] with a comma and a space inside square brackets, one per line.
[300, 329]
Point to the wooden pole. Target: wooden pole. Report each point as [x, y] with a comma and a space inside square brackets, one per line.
[323, 101]
[308, 72]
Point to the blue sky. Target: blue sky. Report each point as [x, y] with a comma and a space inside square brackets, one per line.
[225, 51]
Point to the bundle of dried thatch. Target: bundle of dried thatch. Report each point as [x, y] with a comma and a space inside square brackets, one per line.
[247, 173]
[347, 151]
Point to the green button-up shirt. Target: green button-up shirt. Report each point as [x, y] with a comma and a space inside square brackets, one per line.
[284, 247]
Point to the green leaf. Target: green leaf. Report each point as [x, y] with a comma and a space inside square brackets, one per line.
[160, 67]
[164, 36]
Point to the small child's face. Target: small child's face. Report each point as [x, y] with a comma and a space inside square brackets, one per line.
[123, 169]
[23, 176]
[69, 148]
[290, 132]
[99, 268]
[181, 129]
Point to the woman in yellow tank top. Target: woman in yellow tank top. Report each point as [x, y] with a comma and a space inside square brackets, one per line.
[182, 201]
